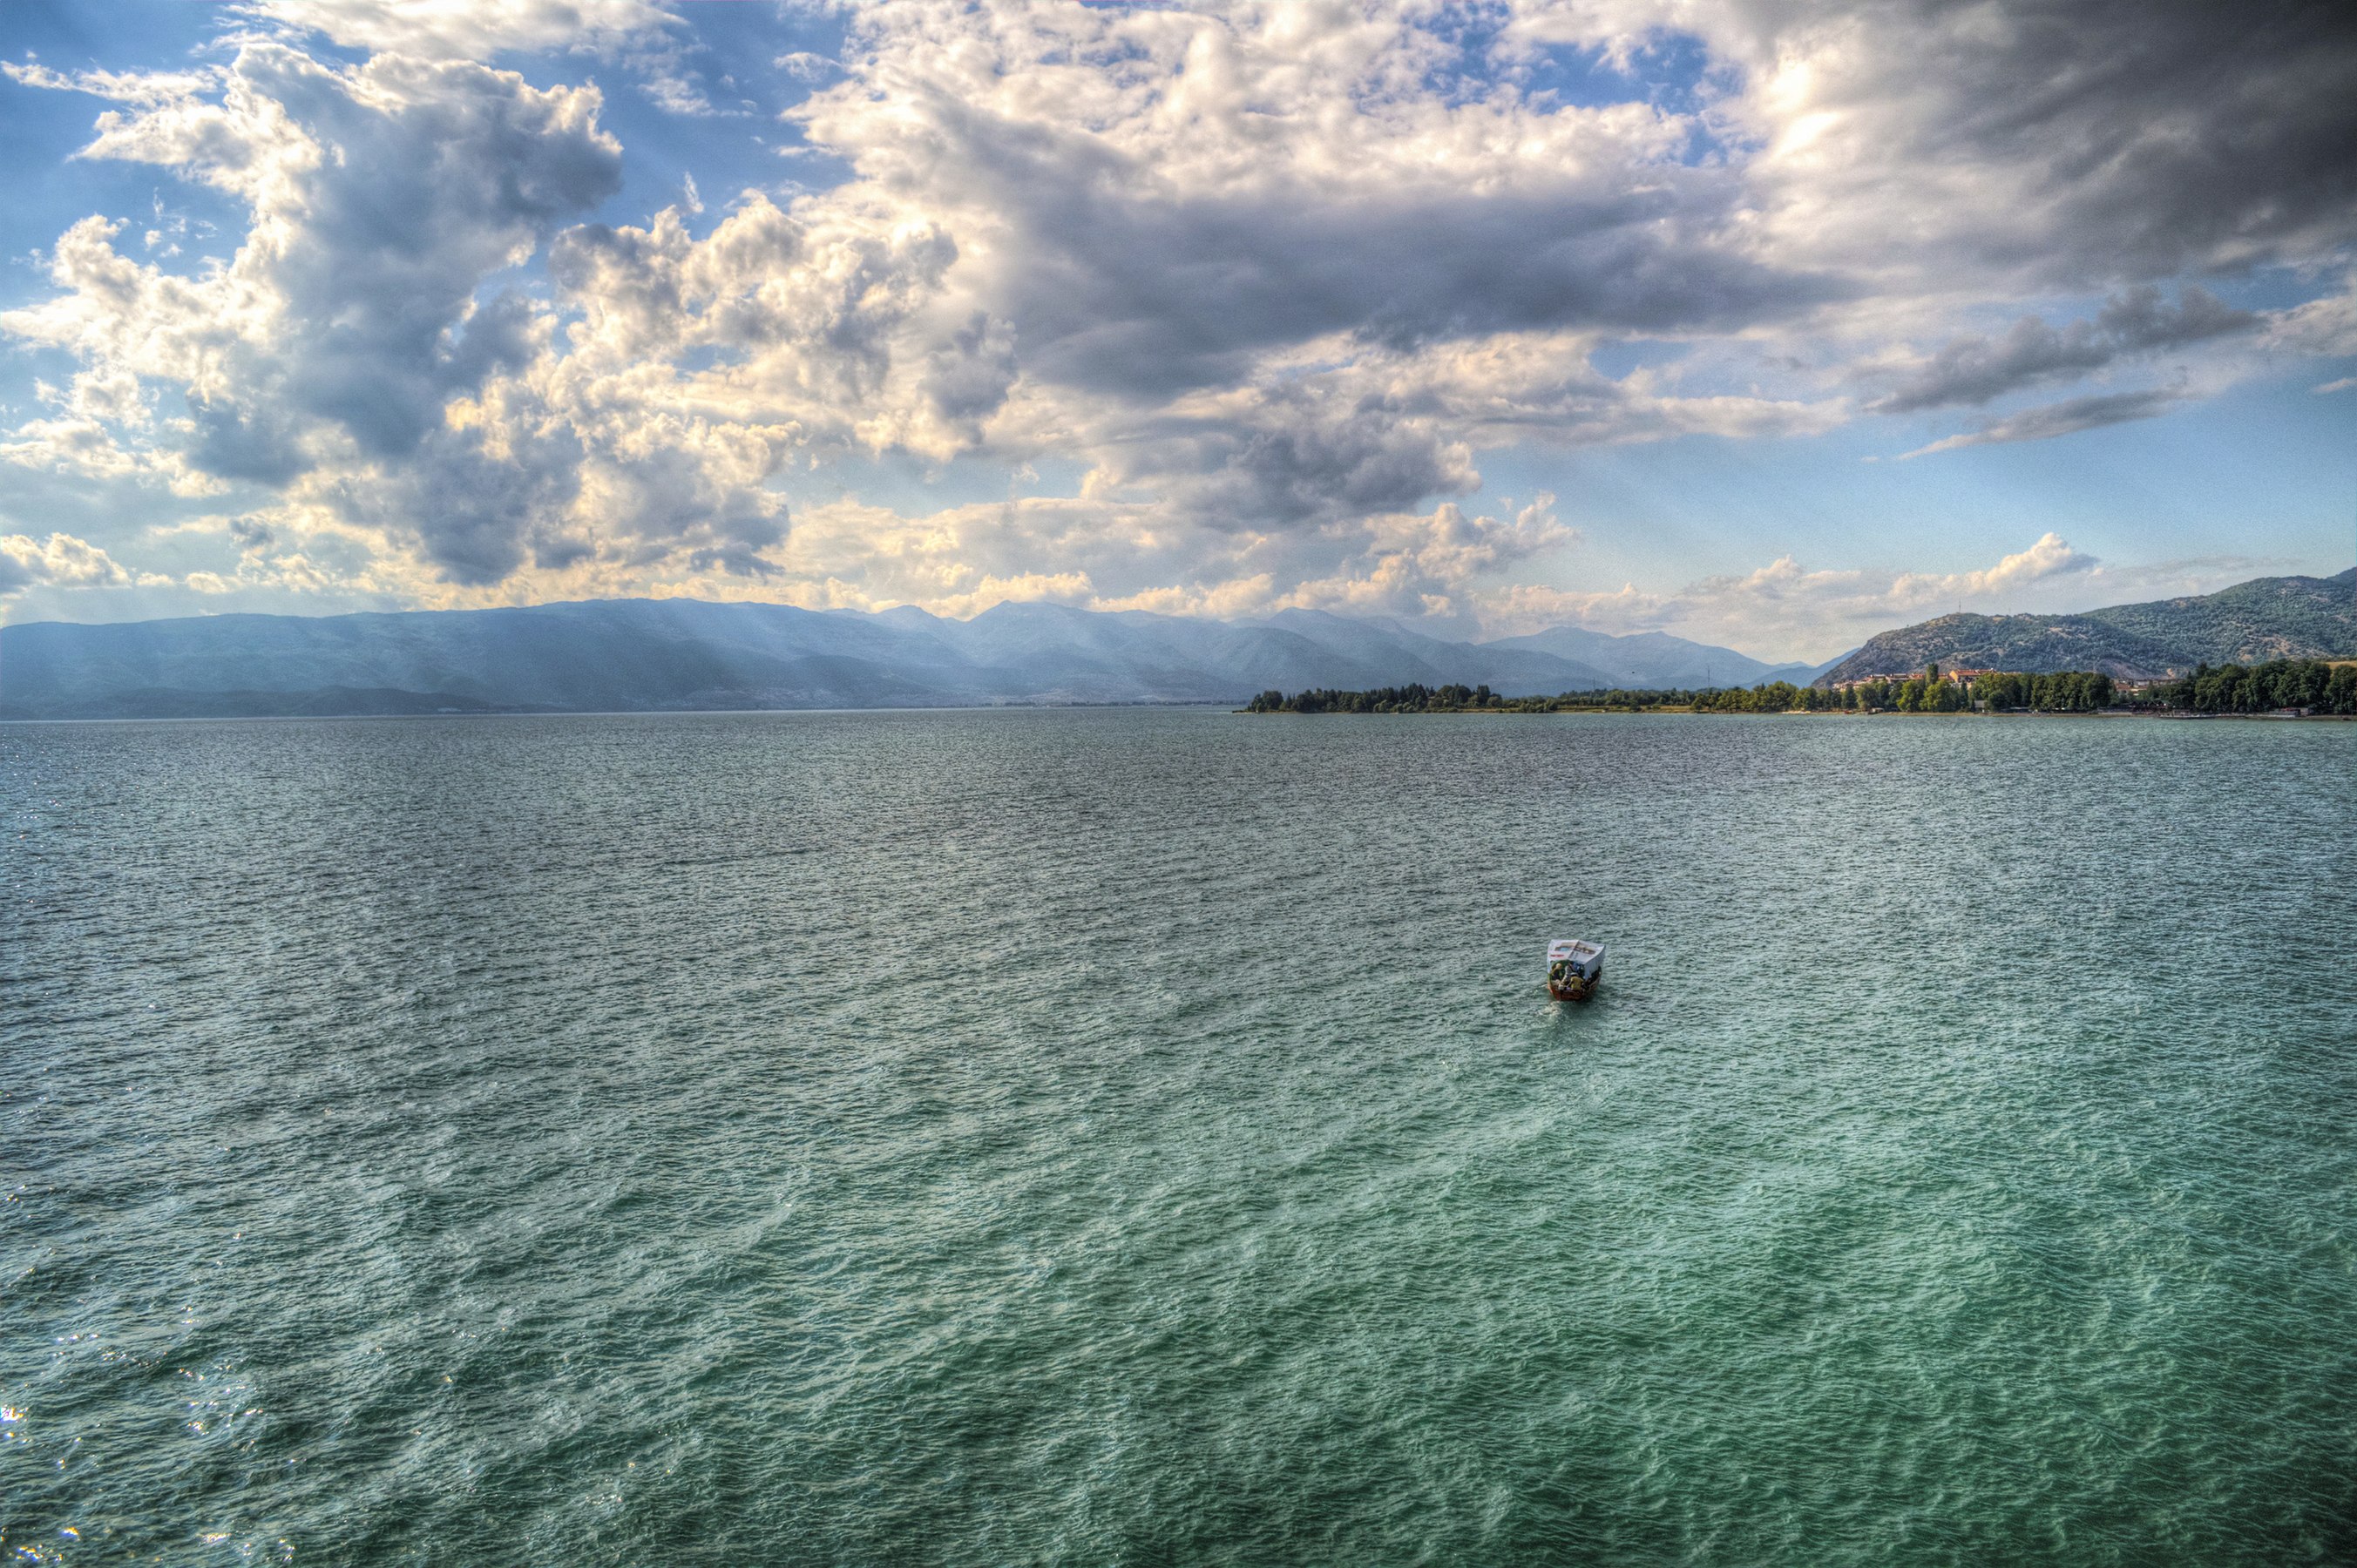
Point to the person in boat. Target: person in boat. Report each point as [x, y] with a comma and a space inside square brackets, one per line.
[1574, 968]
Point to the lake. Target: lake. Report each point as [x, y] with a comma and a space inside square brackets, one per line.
[1130, 1136]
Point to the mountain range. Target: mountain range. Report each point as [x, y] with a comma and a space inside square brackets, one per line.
[2250, 623]
[649, 654]
[629, 655]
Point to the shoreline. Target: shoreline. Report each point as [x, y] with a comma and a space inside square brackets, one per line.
[2174, 715]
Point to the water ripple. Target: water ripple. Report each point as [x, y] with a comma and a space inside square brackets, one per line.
[1139, 1137]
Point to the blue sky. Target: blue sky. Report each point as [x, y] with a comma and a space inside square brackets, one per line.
[1765, 323]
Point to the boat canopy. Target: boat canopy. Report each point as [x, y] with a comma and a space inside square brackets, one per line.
[1585, 958]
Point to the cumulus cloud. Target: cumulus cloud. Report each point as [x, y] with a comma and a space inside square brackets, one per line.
[1793, 611]
[804, 314]
[1273, 278]
[639, 35]
[380, 198]
[468, 29]
[1128, 555]
[60, 561]
[2063, 146]
[1158, 196]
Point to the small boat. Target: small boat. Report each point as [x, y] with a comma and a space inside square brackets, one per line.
[1574, 969]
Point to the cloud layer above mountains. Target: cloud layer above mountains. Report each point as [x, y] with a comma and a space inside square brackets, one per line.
[1258, 288]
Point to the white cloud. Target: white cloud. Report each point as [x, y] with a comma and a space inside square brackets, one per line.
[1275, 277]
[1794, 612]
[2325, 327]
[2071, 149]
[325, 353]
[469, 29]
[638, 35]
[61, 560]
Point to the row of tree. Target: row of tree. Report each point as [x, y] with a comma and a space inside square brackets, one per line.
[1926, 695]
[2065, 692]
[1918, 695]
[2314, 684]
[1421, 699]
[1409, 699]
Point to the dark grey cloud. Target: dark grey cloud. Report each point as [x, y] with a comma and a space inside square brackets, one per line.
[2000, 146]
[1304, 455]
[1974, 370]
[248, 437]
[967, 378]
[502, 334]
[17, 574]
[382, 200]
[1261, 280]
[2092, 143]
[2066, 418]
[1131, 286]
[435, 181]
[474, 515]
[2129, 139]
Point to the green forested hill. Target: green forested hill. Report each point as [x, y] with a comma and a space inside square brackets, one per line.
[2268, 617]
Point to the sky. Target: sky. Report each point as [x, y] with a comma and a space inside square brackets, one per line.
[1770, 323]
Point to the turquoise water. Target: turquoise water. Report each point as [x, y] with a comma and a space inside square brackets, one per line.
[1143, 1137]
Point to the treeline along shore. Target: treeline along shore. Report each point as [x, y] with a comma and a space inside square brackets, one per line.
[2304, 686]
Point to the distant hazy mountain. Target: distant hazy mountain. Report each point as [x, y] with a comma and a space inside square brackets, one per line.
[1506, 666]
[1657, 660]
[2268, 617]
[636, 654]
[639, 654]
